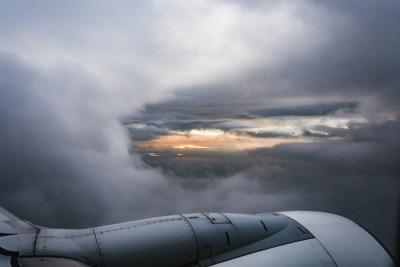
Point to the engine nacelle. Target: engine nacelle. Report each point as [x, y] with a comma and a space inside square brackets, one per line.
[297, 238]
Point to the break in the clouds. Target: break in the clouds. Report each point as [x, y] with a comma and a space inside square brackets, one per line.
[125, 110]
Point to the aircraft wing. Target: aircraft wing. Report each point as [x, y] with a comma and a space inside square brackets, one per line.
[17, 235]
[11, 224]
[6, 215]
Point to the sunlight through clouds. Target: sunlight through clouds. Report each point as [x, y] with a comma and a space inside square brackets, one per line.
[120, 110]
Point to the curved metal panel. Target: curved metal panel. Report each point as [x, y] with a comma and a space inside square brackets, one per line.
[298, 254]
[166, 241]
[76, 244]
[256, 233]
[22, 243]
[347, 243]
[11, 224]
[5, 261]
[216, 218]
[49, 262]
[244, 234]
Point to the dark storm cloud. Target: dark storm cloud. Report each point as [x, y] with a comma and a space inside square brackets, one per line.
[65, 162]
[64, 156]
[178, 116]
[323, 131]
[369, 149]
[153, 130]
[357, 175]
[263, 134]
[146, 133]
[308, 110]
[205, 107]
[198, 165]
[184, 125]
[49, 169]
[356, 132]
[355, 61]
[38, 169]
[359, 56]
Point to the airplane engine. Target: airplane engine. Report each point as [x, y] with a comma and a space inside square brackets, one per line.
[295, 238]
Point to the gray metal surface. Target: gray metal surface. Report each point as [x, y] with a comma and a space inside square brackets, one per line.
[11, 224]
[216, 218]
[242, 234]
[49, 262]
[5, 215]
[22, 243]
[180, 240]
[5, 261]
[200, 239]
[77, 244]
[306, 253]
[165, 241]
[347, 243]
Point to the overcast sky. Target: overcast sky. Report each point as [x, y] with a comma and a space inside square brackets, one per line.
[115, 111]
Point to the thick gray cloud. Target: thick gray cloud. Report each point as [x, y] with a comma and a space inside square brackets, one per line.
[71, 72]
[352, 58]
[207, 107]
[146, 133]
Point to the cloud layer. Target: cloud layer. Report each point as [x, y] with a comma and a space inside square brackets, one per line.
[82, 84]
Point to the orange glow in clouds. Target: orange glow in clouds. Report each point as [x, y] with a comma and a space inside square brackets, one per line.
[213, 140]
[190, 147]
[153, 154]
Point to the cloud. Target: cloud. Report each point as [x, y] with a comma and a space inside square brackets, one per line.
[81, 82]
[207, 107]
[146, 133]
[54, 172]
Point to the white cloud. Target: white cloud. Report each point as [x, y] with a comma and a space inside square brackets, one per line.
[85, 64]
[145, 48]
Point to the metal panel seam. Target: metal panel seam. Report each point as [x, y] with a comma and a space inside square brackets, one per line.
[195, 237]
[325, 250]
[223, 214]
[98, 247]
[379, 241]
[34, 243]
[259, 250]
[205, 214]
[315, 239]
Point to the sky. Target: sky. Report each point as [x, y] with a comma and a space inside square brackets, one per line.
[123, 110]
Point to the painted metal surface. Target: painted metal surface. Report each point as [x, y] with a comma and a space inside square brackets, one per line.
[347, 243]
[165, 241]
[5, 215]
[199, 239]
[76, 244]
[18, 243]
[216, 218]
[49, 262]
[300, 254]
[242, 234]
[5, 261]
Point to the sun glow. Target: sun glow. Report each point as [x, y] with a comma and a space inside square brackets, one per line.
[207, 132]
[191, 147]
[152, 154]
[252, 134]
[224, 142]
